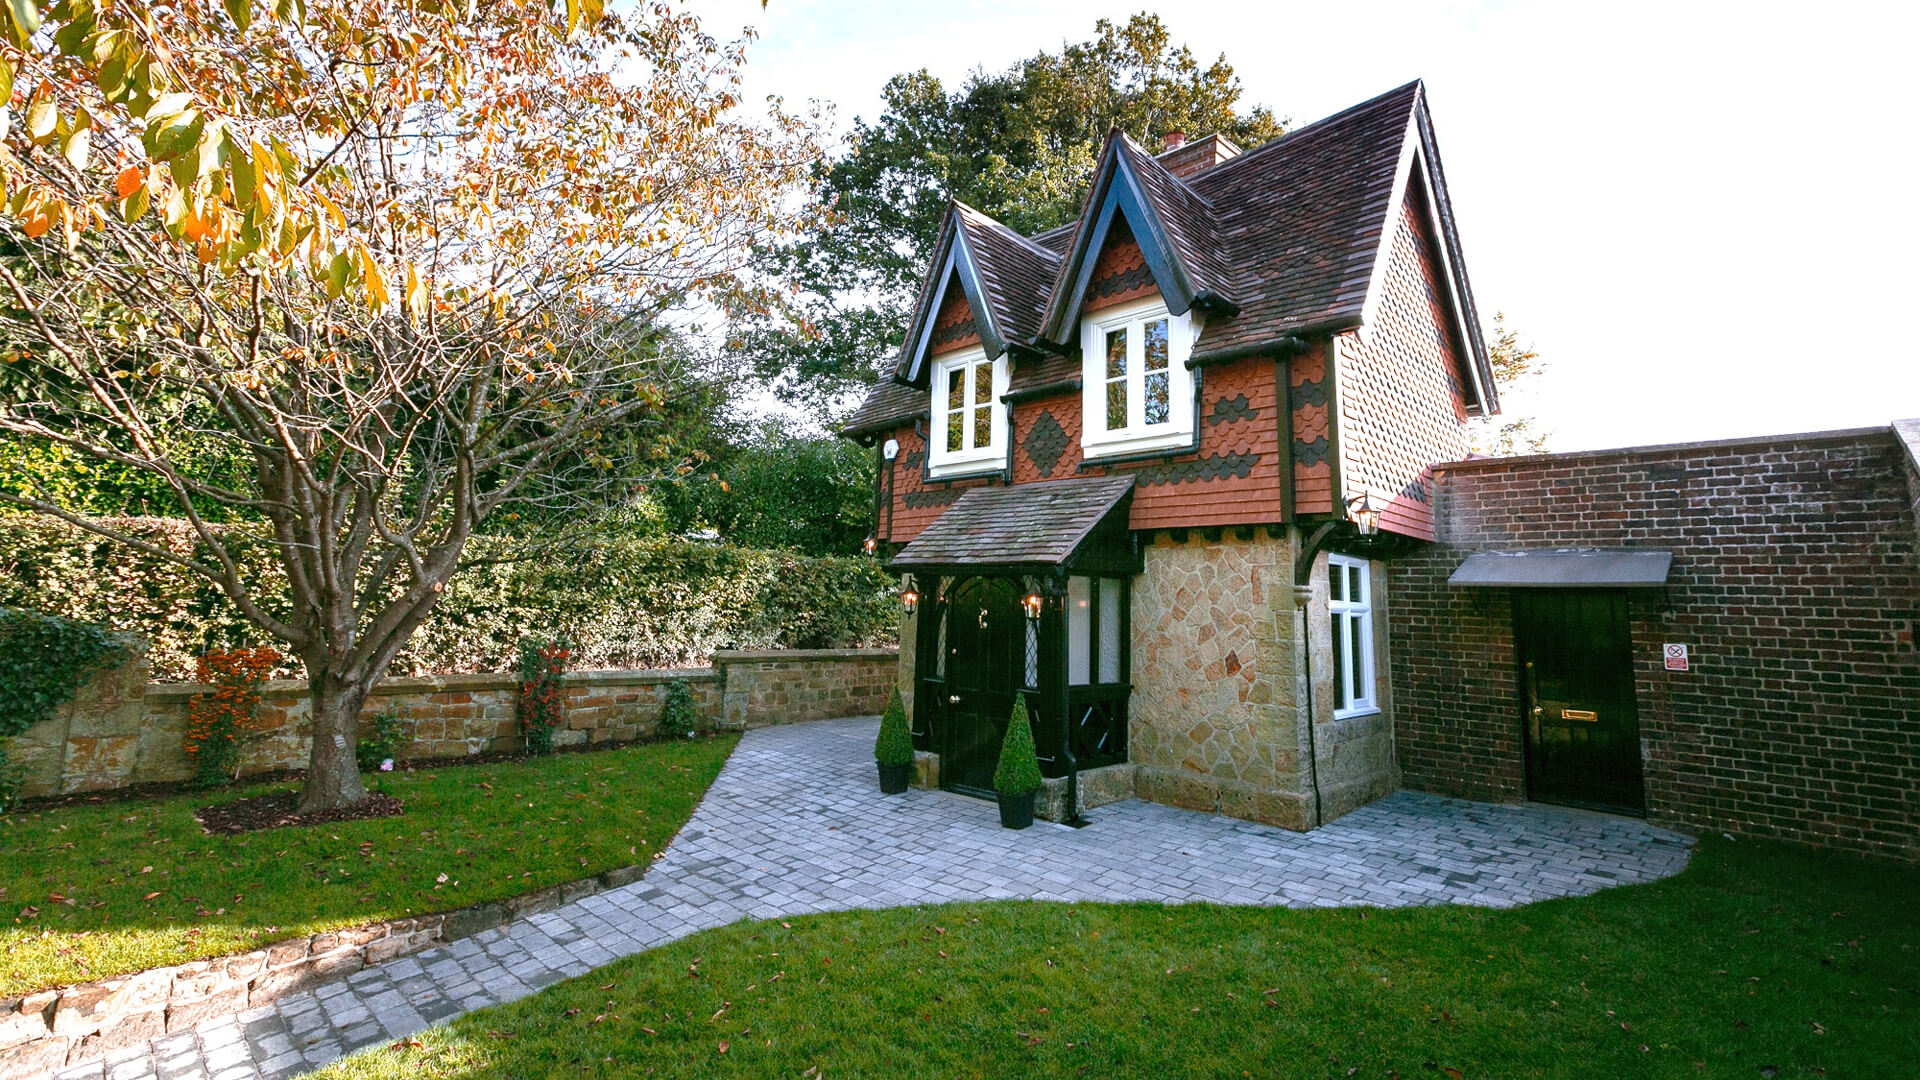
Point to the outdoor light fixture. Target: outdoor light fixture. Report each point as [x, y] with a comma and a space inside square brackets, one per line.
[909, 600]
[1033, 603]
[869, 544]
[1366, 520]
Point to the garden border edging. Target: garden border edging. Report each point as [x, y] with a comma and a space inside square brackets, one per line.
[73, 1025]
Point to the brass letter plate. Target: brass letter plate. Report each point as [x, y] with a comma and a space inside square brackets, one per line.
[1579, 714]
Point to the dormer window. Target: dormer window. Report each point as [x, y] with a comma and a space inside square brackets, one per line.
[969, 423]
[1138, 391]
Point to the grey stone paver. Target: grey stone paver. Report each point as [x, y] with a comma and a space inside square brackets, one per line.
[795, 824]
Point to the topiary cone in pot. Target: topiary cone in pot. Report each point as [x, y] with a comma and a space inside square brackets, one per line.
[893, 750]
[1017, 776]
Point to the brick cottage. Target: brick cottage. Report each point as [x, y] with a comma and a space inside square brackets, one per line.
[1186, 474]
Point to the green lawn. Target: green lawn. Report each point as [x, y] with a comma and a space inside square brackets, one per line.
[103, 890]
[1757, 962]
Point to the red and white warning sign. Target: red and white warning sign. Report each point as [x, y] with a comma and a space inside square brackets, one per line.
[1676, 656]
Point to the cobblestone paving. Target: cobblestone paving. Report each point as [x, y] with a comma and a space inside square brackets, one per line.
[795, 824]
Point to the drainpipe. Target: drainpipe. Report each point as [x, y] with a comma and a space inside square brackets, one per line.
[1302, 596]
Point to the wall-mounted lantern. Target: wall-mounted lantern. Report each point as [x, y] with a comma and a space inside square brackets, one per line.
[869, 544]
[1366, 519]
[1033, 602]
[909, 598]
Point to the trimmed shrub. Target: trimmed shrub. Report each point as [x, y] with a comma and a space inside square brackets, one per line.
[621, 601]
[895, 744]
[679, 718]
[1019, 768]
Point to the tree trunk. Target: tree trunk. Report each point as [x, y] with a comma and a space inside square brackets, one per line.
[333, 773]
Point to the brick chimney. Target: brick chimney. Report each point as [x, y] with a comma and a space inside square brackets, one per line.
[1183, 158]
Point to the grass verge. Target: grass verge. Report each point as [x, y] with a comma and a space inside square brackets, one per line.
[93, 891]
[1757, 962]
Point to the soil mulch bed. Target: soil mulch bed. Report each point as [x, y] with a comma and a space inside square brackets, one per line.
[279, 810]
[160, 789]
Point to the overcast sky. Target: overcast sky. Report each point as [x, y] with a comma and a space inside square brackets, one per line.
[1703, 215]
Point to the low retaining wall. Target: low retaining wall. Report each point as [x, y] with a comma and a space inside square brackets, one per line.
[54, 1029]
[121, 730]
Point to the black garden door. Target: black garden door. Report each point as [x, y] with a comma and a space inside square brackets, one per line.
[985, 657]
[1576, 696]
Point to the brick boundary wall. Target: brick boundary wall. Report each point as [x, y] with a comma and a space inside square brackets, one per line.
[121, 730]
[1795, 584]
[53, 1029]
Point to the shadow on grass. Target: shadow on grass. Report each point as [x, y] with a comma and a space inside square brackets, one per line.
[94, 891]
[1757, 961]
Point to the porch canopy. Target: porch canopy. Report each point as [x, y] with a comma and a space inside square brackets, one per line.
[1057, 528]
[1564, 569]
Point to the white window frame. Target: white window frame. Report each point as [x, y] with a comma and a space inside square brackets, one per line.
[944, 462]
[1344, 613]
[1136, 436]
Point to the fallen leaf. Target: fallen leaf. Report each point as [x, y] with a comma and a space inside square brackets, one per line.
[151, 895]
[723, 1045]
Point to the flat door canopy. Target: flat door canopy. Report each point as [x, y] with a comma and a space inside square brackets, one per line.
[1564, 569]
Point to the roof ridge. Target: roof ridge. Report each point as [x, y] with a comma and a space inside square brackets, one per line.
[1318, 127]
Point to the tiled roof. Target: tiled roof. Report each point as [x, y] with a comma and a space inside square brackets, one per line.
[1303, 218]
[1015, 271]
[1040, 524]
[888, 405]
[1288, 233]
[1192, 226]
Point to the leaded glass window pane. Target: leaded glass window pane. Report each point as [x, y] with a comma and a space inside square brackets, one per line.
[940, 645]
[1033, 653]
[1110, 643]
[1079, 624]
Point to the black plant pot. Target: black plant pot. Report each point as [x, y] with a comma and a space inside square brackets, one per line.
[1016, 811]
[893, 778]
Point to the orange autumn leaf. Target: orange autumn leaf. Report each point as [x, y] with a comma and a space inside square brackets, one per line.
[128, 181]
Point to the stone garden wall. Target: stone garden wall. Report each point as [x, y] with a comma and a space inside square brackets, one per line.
[121, 730]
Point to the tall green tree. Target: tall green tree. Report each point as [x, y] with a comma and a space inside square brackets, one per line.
[1018, 144]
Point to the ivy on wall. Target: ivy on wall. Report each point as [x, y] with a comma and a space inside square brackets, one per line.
[44, 661]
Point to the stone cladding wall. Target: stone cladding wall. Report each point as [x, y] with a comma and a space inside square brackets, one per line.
[1213, 722]
[1794, 585]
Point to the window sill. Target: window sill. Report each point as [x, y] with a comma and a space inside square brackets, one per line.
[966, 469]
[1179, 441]
[1355, 714]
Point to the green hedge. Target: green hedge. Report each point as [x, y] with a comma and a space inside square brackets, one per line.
[623, 602]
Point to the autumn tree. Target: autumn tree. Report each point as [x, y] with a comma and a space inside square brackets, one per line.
[1019, 144]
[408, 260]
[1516, 365]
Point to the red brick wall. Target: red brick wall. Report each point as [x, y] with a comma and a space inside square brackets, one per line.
[1401, 402]
[1794, 584]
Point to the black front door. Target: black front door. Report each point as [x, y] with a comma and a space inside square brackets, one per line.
[985, 654]
[1576, 696]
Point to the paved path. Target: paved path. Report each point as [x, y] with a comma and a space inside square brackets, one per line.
[795, 824]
